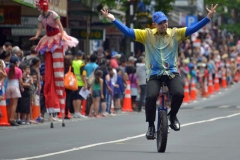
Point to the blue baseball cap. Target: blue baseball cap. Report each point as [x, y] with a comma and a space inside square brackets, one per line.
[158, 17]
[114, 54]
[14, 59]
[79, 53]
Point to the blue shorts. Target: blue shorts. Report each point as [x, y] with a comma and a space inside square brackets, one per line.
[119, 95]
[96, 93]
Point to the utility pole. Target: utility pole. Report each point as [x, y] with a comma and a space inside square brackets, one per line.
[132, 26]
[192, 13]
[89, 21]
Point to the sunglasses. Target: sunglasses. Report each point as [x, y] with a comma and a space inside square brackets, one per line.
[162, 22]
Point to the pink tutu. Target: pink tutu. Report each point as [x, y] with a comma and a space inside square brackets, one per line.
[50, 43]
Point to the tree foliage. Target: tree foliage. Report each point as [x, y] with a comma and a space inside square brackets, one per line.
[230, 12]
[161, 5]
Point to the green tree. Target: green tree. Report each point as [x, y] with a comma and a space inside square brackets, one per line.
[164, 5]
[230, 10]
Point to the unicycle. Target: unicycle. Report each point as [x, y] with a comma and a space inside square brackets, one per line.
[161, 134]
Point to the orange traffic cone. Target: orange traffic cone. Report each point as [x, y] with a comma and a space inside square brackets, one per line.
[36, 108]
[127, 102]
[236, 78]
[210, 85]
[193, 91]
[216, 83]
[3, 110]
[224, 80]
[186, 92]
[83, 110]
[205, 89]
[112, 107]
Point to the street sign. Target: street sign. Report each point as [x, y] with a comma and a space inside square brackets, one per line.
[94, 34]
[191, 20]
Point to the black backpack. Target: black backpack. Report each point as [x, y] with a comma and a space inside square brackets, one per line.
[26, 61]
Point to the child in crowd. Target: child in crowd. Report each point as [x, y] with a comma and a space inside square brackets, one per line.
[3, 75]
[118, 91]
[135, 89]
[33, 92]
[109, 93]
[24, 103]
[97, 92]
[14, 83]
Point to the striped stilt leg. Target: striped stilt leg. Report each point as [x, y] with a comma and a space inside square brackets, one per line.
[58, 69]
[51, 100]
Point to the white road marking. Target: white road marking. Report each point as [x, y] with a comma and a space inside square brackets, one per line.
[198, 107]
[122, 140]
[226, 106]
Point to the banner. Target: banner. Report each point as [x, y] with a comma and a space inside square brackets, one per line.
[29, 3]
[11, 14]
[59, 6]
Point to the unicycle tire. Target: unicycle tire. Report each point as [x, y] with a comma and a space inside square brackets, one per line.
[162, 132]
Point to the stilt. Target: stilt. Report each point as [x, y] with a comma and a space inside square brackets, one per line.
[63, 124]
[51, 117]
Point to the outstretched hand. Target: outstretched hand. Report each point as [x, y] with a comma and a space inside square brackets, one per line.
[211, 11]
[107, 15]
[33, 38]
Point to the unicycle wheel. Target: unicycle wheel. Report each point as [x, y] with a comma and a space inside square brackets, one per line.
[162, 132]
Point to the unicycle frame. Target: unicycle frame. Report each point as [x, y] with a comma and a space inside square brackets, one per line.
[161, 108]
[162, 124]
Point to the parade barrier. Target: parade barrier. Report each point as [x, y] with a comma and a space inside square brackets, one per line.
[193, 92]
[127, 102]
[216, 83]
[205, 89]
[186, 98]
[84, 105]
[224, 80]
[3, 109]
[210, 85]
[36, 108]
[237, 76]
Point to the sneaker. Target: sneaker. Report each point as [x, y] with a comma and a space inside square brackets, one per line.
[112, 114]
[104, 115]
[14, 123]
[19, 121]
[57, 119]
[27, 122]
[82, 116]
[38, 119]
[76, 115]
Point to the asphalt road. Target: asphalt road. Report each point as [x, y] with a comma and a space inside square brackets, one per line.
[209, 131]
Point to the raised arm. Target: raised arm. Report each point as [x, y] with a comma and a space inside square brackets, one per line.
[190, 30]
[39, 31]
[127, 31]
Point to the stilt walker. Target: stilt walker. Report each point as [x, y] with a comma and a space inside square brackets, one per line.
[53, 45]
